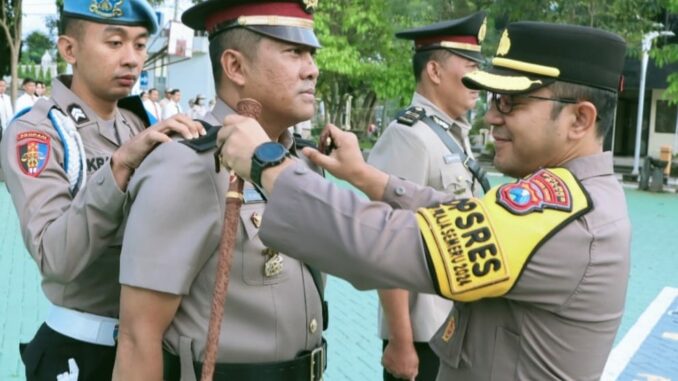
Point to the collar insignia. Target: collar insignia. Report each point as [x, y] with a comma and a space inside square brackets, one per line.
[106, 8]
[77, 114]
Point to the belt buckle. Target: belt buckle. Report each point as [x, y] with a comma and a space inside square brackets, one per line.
[318, 351]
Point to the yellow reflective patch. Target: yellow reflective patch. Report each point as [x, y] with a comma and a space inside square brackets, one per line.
[478, 248]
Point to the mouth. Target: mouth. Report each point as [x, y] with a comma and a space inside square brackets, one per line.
[500, 139]
[126, 80]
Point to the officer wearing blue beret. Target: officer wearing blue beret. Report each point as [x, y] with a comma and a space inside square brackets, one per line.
[67, 161]
[538, 268]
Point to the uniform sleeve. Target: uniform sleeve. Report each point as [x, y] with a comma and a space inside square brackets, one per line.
[400, 152]
[174, 221]
[367, 243]
[63, 234]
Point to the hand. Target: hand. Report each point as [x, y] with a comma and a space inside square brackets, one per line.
[345, 159]
[237, 139]
[129, 156]
[401, 360]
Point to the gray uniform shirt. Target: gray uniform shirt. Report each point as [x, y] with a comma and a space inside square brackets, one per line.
[417, 154]
[171, 245]
[74, 239]
[559, 320]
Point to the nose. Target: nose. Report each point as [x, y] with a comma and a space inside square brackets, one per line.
[311, 70]
[132, 57]
[493, 117]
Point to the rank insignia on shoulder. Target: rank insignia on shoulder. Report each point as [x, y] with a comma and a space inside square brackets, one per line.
[411, 116]
[541, 190]
[77, 114]
[33, 149]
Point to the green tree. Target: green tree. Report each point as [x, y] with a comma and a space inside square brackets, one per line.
[669, 54]
[10, 27]
[35, 46]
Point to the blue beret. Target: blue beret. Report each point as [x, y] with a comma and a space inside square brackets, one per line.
[115, 12]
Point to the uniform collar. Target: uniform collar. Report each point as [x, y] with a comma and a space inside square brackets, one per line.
[586, 167]
[69, 103]
[432, 109]
[222, 110]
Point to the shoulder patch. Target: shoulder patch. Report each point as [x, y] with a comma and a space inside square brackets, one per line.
[33, 149]
[204, 143]
[77, 114]
[539, 191]
[411, 116]
[478, 248]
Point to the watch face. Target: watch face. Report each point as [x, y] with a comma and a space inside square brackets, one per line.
[270, 151]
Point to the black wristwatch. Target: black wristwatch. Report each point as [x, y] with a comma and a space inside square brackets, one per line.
[266, 155]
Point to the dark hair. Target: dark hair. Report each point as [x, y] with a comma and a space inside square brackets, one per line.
[174, 91]
[39, 83]
[240, 39]
[141, 94]
[27, 80]
[152, 90]
[605, 102]
[70, 26]
[421, 58]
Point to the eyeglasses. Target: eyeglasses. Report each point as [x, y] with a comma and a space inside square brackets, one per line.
[505, 102]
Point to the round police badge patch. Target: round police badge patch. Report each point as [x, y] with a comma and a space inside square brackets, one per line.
[540, 190]
[33, 148]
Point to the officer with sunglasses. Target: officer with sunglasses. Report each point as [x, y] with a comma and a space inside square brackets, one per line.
[537, 268]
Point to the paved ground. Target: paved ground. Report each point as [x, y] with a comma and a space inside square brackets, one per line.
[353, 345]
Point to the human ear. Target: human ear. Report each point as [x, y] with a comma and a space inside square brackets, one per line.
[433, 71]
[68, 47]
[234, 67]
[584, 121]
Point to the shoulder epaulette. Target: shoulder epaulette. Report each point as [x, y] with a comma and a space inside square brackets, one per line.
[300, 143]
[134, 105]
[204, 143]
[411, 116]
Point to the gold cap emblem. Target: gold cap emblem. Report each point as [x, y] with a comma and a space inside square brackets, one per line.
[482, 31]
[311, 5]
[106, 8]
[504, 44]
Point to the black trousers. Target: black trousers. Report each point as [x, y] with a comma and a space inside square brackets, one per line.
[428, 363]
[47, 355]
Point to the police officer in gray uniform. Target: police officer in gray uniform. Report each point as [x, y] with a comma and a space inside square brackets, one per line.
[273, 321]
[428, 144]
[67, 161]
[537, 268]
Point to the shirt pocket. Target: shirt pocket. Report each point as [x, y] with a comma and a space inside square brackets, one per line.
[505, 356]
[448, 342]
[455, 179]
[254, 251]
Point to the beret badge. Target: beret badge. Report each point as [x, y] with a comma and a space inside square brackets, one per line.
[106, 8]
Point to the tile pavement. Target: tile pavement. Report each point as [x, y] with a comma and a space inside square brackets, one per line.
[354, 349]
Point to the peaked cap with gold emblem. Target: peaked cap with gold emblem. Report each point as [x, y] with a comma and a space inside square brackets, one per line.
[289, 21]
[461, 36]
[114, 12]
[532, 55]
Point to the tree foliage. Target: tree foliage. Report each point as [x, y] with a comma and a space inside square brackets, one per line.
[362, 61]
[34, 47]
[10, 28]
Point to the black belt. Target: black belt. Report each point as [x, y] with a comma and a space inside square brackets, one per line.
[310, 366]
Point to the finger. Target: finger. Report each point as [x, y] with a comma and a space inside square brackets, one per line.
[322, 140]
[233, 119]
[317, 158]
[156, 137]
[174, 126]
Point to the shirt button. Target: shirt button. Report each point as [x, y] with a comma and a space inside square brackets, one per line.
[100, 180]
[400, 191]
[313, 325]
[301, 170]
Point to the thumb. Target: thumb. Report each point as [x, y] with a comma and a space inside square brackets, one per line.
[317, 158]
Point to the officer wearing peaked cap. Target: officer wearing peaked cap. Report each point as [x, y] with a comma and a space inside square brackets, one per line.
[67, 161]
[274, 313]
[537, 268]
[429, 145]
